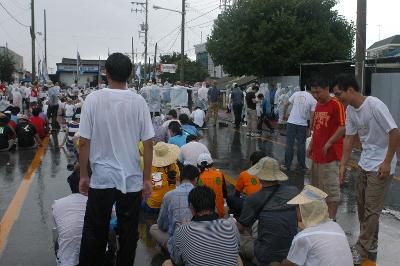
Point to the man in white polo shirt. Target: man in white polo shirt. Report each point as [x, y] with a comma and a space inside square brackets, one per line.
[113, 121]
[371, 120]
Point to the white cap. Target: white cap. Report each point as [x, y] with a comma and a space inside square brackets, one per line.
[204, 157]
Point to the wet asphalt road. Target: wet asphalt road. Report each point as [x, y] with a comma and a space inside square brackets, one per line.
[30, 240]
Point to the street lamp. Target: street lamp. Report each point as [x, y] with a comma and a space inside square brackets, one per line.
[182, 68]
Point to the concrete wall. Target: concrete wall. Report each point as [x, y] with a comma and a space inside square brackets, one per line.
[284, 80]
[386, 87]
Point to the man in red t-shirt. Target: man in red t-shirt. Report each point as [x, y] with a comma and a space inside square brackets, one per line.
[326, 146]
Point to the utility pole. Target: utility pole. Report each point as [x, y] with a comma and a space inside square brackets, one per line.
[133, 62]
[45, 38]
[155, 61]
[33, 39]
[182, 72]
[149, 65]
[144, 5]
[146, 30]
[361, 42]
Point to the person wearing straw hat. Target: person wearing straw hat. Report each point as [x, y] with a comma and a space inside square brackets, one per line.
[270, 240]
[323, 241]
[175, 210]
[165, 173]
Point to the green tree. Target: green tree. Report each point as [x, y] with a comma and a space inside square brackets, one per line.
[271, 37]
[7, 67]
[194, 71]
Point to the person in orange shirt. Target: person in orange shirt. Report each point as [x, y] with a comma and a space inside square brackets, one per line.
[214, 179]
[246, 185]
[165, 173]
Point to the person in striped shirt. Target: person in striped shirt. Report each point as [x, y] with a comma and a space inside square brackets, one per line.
[206, 240]
[71, 130]
[326, 146]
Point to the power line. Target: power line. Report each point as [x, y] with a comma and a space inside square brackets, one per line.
[14, 18]
[174, 41]
[186, 23]
[205, 14]
[202, 24]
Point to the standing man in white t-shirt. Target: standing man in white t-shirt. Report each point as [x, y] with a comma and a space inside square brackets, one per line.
[379, 135]
[302, 111]
[113, 121]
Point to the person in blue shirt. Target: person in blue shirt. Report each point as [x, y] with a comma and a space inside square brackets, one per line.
[177, 136]
[264, 118]
[186, 126]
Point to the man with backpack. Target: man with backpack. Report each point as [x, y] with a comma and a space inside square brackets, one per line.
[270, 238]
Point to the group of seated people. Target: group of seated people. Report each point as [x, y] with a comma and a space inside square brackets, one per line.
[22, 131]
[265, 221]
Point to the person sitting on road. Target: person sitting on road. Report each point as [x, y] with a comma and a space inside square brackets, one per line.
[161, 133]
[165, 174]
[323, 241]
[71, 130]
[38, 123]
[271, 237]
[10, 123]
[175, 209]
[214, 179]
[14, 114]
[7, 134]
[246, 185]
[69, 214]
[206, 240]
[27, 134]
[191, 150]
[171, 116]
[198, 117]
[186, 125]
[177, 136]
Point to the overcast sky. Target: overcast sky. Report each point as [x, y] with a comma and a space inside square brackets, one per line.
[95, 26]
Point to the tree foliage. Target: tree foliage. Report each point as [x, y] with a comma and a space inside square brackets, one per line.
[271, 37]
[7, 67]
[194, 71]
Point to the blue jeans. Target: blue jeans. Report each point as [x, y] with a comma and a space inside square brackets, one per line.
[299, 133]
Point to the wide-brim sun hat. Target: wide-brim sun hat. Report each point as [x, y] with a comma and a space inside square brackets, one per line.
[307, 195]
[165, 154]
[267, 169]
[49, 83]
[312, 206]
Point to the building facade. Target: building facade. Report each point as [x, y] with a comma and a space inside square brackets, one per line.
[389, 47]
[86, 75]
[18, 60]
[206, 61]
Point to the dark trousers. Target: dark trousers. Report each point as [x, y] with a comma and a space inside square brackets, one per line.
[237, 111]
[263, 119]
[97, 224]
[299, 134]
[235, 204]
[52, 115]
